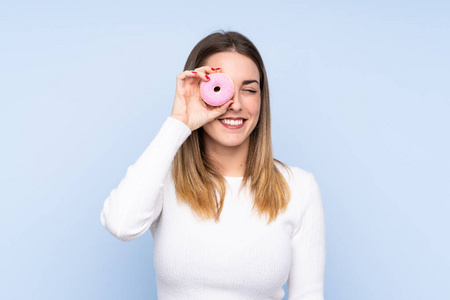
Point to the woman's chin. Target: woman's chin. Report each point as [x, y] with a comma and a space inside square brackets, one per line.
[231, 142]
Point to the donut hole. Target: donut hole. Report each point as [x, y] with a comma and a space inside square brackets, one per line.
[217, 89]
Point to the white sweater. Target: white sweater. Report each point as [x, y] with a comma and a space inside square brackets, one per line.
[240, 257]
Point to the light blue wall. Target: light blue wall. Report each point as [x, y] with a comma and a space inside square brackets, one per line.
[360, 97]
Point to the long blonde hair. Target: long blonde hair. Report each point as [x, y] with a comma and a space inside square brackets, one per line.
[197, 180]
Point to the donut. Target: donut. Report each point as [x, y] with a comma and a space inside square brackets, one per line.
[218, 90]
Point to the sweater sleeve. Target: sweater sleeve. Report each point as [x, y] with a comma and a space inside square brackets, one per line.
[306, 277]
[133, 206]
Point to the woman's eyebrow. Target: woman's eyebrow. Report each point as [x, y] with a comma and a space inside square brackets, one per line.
[249, 81]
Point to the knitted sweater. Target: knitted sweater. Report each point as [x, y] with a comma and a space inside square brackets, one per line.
[240, 257]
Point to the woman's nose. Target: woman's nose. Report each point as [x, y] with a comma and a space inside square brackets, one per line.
[236, 106]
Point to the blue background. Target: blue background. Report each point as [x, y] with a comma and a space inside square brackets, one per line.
[360, 98]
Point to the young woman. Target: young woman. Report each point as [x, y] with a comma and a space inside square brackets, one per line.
[228, 220]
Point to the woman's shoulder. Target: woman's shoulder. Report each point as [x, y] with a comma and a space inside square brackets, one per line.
[293, 173]
[302, 184]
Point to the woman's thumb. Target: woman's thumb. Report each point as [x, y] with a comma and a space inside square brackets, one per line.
[220, 110]
[227, 105]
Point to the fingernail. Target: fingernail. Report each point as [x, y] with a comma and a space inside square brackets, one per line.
[213, 69]
[230, 104]
[194, 72]
[217, 69]
[207, 77]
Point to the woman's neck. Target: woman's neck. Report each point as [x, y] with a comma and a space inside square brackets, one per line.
[231, 161]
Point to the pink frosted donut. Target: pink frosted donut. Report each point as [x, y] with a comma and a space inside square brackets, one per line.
[218, 90]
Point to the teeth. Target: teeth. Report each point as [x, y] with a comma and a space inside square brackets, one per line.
[232, 122]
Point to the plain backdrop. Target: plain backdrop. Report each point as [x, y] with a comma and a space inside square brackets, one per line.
[360, 97]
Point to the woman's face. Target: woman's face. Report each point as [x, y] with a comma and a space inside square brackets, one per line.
[246, 103]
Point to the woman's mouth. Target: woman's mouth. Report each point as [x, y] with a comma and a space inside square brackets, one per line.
[233, 123]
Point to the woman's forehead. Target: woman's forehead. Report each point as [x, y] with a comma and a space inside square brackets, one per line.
[238, 66]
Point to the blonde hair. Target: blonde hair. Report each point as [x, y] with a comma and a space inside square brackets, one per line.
[198, 182]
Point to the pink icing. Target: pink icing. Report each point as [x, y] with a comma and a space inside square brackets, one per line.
[218, 90]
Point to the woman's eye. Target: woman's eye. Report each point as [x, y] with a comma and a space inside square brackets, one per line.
[251, 91]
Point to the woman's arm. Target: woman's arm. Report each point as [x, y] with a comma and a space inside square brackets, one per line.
[136, 203]
[306, 277]
[133, 206]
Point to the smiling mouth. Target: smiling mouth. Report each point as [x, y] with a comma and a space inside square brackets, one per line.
[232, 122]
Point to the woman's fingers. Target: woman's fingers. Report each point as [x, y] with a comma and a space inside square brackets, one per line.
[201, 72]
[204, 71]
[207, 69]
[220, 110]
[190, 76]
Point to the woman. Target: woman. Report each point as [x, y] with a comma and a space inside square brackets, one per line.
[228, 220]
